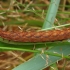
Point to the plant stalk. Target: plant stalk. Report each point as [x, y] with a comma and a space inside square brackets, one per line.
[51, 14]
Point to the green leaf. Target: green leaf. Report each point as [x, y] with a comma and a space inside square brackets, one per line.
[18, 46]
[41, 61]
[53, 67]
[51, 14]
[36, 63]
[30, 22]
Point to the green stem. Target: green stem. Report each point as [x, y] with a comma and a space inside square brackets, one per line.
[65, 25]
[51, 14]
[35, 51]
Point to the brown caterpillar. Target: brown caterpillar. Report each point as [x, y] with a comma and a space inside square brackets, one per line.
[36, 36]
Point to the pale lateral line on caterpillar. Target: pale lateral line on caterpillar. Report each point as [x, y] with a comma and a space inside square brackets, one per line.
[39, 36]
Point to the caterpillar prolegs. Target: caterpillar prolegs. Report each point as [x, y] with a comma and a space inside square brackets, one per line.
[36, 36]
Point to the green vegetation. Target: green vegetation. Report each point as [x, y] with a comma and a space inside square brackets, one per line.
[46, 54]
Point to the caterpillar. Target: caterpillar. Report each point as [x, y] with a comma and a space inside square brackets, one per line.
[36, 36]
